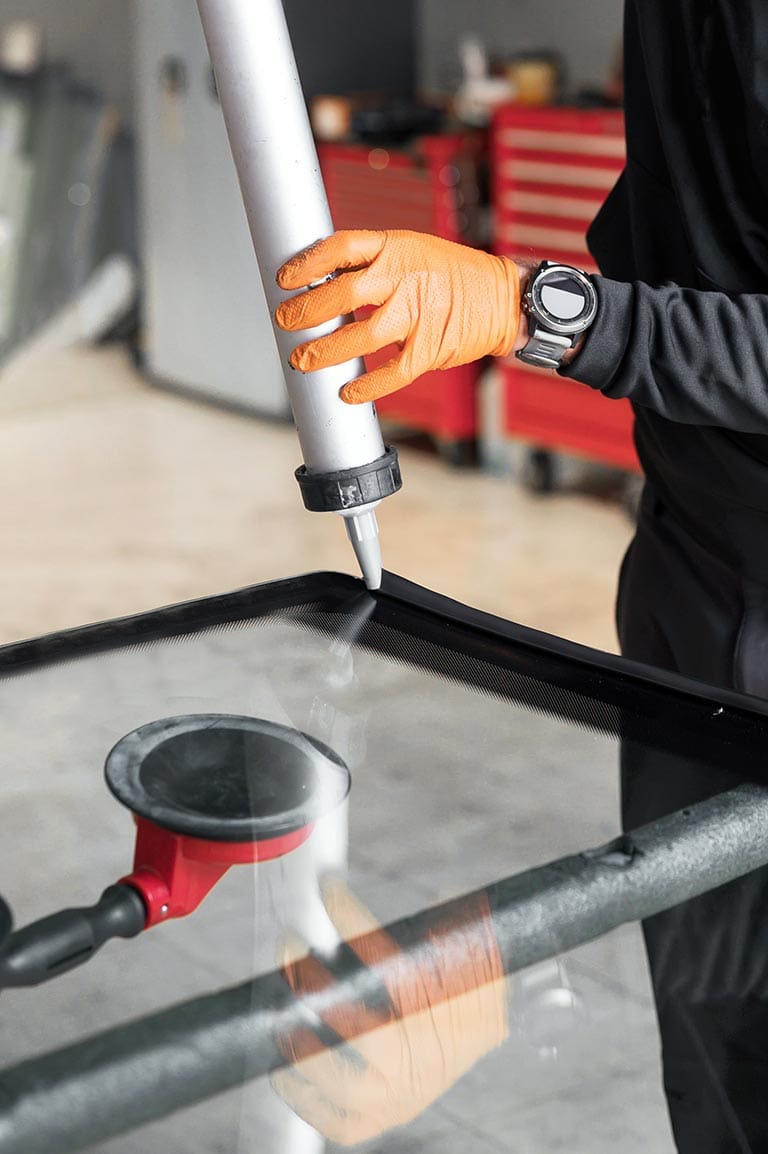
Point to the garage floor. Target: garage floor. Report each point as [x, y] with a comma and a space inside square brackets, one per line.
[119, 498]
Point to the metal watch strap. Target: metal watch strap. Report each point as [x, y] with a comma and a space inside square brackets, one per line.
[546, 349]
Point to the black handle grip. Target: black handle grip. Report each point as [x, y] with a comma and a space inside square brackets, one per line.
[64, 940]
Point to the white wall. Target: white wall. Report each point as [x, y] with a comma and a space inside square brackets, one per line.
[585, 32]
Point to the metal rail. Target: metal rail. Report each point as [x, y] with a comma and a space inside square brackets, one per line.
[146, 1069]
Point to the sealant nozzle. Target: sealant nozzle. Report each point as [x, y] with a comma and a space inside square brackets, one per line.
[363, 532]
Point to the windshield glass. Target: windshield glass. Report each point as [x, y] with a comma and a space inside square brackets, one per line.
[453, 727]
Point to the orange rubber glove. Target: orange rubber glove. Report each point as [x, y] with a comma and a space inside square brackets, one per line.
[443, 304]
[447, 1009]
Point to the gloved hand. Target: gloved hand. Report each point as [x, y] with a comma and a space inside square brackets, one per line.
[443, 304]
[444, 1015]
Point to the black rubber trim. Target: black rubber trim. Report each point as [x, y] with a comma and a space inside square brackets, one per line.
[186, 617]
[456, 613]
[548, 673]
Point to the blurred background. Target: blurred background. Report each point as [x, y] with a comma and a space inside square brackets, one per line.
[146, 449]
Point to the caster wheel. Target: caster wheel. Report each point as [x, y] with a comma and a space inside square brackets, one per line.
[461, 454]
[540, 471]
[631, 495]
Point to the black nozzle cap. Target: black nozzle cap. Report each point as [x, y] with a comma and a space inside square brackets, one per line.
[350, 488]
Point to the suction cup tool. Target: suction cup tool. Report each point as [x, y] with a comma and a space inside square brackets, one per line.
[207, 791]
[226, 778]
[212, 790]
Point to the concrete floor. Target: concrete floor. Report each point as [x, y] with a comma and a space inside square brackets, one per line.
[118, 498]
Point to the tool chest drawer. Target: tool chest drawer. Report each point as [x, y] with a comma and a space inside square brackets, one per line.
[552, 169]
[553, 412]
[432, 185]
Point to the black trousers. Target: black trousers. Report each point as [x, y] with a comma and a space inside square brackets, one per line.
[681, 608]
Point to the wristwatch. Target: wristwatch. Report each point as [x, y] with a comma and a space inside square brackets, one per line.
[560, 303]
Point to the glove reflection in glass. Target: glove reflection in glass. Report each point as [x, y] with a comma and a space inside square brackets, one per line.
[446, 1010]
[443, 304]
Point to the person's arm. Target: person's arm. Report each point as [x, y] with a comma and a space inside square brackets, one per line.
[696, 357]
[692, 356]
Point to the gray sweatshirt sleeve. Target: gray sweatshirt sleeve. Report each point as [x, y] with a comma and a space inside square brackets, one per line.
[700, 358]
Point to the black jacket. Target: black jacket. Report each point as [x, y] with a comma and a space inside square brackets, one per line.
[683, 323]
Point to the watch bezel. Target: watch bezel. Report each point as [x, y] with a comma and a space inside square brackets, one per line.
[574, 326]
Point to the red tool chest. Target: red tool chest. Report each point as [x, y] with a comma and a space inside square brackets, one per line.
[552, 168]
[432, 185]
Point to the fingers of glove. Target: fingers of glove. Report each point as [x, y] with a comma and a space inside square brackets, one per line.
[349, 1106]
[299, 1045]
[302, 1045]
[357, 1094]
[387, 378]
[413, 1061]
[425, 1051]
[349, 248]
[334, 298]
[306, 976]
[387, 325]
[465, 981]
[407, 1066]
[460, 956]
[356, 924]
[338, 1124]
[471, 924]
[291, 948]
[401, 974]
[301, 970]
[482, 1017]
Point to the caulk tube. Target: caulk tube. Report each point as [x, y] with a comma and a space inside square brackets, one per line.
[347, 468]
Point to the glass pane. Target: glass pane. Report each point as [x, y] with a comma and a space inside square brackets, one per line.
[458, 730]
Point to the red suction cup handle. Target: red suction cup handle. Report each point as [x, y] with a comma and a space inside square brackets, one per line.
[209, 791]
[174, 872]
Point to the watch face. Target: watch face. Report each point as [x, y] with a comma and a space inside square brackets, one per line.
[564, 299]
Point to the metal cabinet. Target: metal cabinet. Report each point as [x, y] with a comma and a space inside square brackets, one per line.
[431, 186]
[207, 328]
[552, 170]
